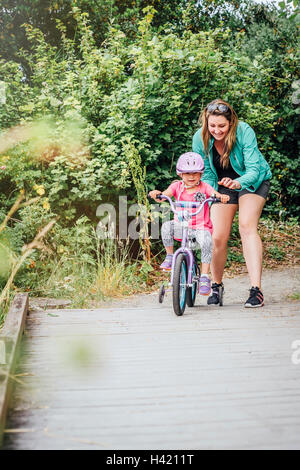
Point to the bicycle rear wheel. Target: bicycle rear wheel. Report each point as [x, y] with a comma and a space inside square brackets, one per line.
[180, 285]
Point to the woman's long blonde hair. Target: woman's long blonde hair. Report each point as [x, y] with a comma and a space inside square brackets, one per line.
[230, 139]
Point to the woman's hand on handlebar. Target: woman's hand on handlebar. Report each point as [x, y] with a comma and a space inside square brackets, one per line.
[153, 194]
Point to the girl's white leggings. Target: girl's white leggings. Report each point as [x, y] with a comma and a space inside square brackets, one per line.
[202, 238]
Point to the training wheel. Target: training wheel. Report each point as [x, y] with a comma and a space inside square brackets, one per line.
[161, 294]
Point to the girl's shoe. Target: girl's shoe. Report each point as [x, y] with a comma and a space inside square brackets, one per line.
[205, 286]
[214, 298]
[167, 264]
[256, 298]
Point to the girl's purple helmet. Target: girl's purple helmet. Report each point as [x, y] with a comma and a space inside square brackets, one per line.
[190, 162]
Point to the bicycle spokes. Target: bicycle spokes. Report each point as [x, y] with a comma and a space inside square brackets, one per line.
[183, 285]
[180, 284]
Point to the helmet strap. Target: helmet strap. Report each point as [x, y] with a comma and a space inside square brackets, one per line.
[186, 186]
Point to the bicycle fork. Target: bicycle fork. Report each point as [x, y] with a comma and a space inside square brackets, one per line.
[190, 262]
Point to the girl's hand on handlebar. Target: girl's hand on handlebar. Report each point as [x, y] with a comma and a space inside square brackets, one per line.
[224, 197]
[153, 194]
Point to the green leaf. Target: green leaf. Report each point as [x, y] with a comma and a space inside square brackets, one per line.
[166, 136]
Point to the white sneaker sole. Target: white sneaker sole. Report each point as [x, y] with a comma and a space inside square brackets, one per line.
[253, 306]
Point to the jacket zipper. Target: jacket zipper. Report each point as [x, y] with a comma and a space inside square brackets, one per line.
[237, 160]
[211, 165]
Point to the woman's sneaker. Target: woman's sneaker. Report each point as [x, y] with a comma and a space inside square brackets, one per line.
[205, 287]
[256, 298]
[214, 298]
[167, 264]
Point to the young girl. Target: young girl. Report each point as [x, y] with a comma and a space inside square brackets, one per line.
[190, 167]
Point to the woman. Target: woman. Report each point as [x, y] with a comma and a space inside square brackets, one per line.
[233, 166]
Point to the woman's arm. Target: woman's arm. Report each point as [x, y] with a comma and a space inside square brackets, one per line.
[251, 162]
[251, 156]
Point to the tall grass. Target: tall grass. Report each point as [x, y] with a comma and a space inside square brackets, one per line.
[74, 263]
[116, 272]
[103, 270]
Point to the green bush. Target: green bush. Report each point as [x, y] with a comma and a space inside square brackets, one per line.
[150, 90]
[80, 102]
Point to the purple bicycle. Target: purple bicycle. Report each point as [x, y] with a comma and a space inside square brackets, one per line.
[185, 272]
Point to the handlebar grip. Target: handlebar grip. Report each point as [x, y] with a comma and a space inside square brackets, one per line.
[150, 197]
[216, 199]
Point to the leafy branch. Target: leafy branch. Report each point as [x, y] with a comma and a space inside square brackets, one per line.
[27, 250]
[138, 172]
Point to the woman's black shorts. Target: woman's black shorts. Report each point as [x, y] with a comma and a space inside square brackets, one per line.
[262, 191]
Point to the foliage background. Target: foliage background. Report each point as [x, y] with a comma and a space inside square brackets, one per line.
[87, 77]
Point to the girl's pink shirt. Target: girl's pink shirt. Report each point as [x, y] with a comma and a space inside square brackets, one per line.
[202, 220]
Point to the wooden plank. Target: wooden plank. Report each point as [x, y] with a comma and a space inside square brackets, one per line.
[221, 378]
[10, 338]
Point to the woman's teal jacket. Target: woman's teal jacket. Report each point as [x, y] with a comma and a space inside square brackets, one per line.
[245, 159]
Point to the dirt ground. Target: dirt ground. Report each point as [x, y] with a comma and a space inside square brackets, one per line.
[278, 285]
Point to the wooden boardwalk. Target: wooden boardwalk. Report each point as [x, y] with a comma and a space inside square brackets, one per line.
[135, 376]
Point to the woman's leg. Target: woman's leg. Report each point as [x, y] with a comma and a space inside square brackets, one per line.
[222, 216]
[250, 207]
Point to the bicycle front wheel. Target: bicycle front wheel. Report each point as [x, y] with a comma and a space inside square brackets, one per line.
[180, 285]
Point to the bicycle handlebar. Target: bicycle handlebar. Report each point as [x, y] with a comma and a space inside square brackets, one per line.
[187, 204]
